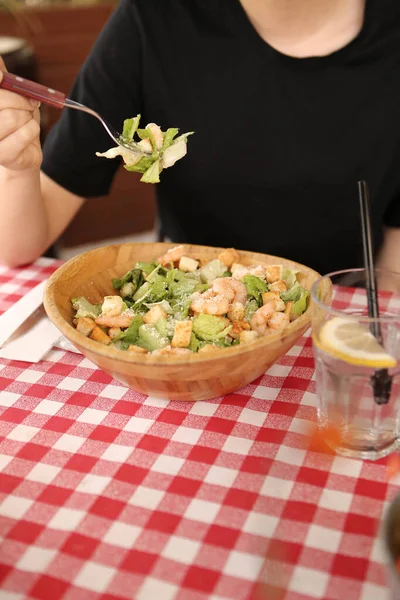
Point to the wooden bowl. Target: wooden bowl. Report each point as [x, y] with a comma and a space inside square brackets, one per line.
[193, 377]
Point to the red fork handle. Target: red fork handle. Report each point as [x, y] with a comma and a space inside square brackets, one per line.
[30, 89]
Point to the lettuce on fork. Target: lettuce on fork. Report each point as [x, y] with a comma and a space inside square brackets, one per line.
[161, 150]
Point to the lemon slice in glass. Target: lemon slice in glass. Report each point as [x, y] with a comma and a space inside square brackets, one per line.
[352, 342]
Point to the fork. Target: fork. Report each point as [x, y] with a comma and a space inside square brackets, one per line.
[31, 89]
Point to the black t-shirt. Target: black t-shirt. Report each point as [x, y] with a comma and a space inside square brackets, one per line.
[280, 142]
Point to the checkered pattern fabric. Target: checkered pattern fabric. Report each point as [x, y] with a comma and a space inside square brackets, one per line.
[109, 494]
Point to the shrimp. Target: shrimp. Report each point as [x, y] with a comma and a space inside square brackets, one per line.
[259, 320]
[169, 351]
[157, 134]
[232, 289]
[278, 320]
[146, 146]
[257, 270]
[158, 138]
[209, 303]
[173, 255]
[122, 321]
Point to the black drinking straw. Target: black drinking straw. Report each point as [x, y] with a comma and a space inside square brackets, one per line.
[381, 381]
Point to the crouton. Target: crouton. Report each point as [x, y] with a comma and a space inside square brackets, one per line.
[85, 325]
[137, 349]
[236, 312]
[229, 256]
[112, 306]
[289, 311]
[182, 334]
[268, 296]
[274, 273]
[155, 314]
[248, 336]
[235, 331]
[236, 267]
[288, 308]
[237, 328]
[114, 332]
[278, 286]
[279, 305]
[188, 265]
[98, 335]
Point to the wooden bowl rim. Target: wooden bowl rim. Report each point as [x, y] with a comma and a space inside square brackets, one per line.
[148, 359]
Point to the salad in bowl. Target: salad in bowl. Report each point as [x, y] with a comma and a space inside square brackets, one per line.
[180, 304]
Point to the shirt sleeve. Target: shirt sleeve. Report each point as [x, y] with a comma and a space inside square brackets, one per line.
[392, 213]
[110, 83]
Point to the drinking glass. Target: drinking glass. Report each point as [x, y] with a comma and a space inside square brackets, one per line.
[348, 386]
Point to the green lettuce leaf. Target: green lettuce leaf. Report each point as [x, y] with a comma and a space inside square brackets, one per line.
[147, 268]
[255, 287]
[150, 339]
[290, 276]
[250, 308]
[195, 343]
[130, 128]
[201, 287]
[130, 335]
[183, 137]
[212, 270]
[300, 305]
[142, 292]
[158, 290]
[298, 295]
[141, 166]
[210, 328]
[169, 137]
[121, 345]
[134, 276]
[152, 175]
[180, 306]
[151, 292]
[223, 342]
[293, 294]
[184, 287]
[153, 275]
[165, 327]
[85, 309]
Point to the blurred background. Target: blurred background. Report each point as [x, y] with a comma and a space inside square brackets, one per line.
[47, 41]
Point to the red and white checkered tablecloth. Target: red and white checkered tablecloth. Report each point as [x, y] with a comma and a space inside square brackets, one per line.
[108, 494]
